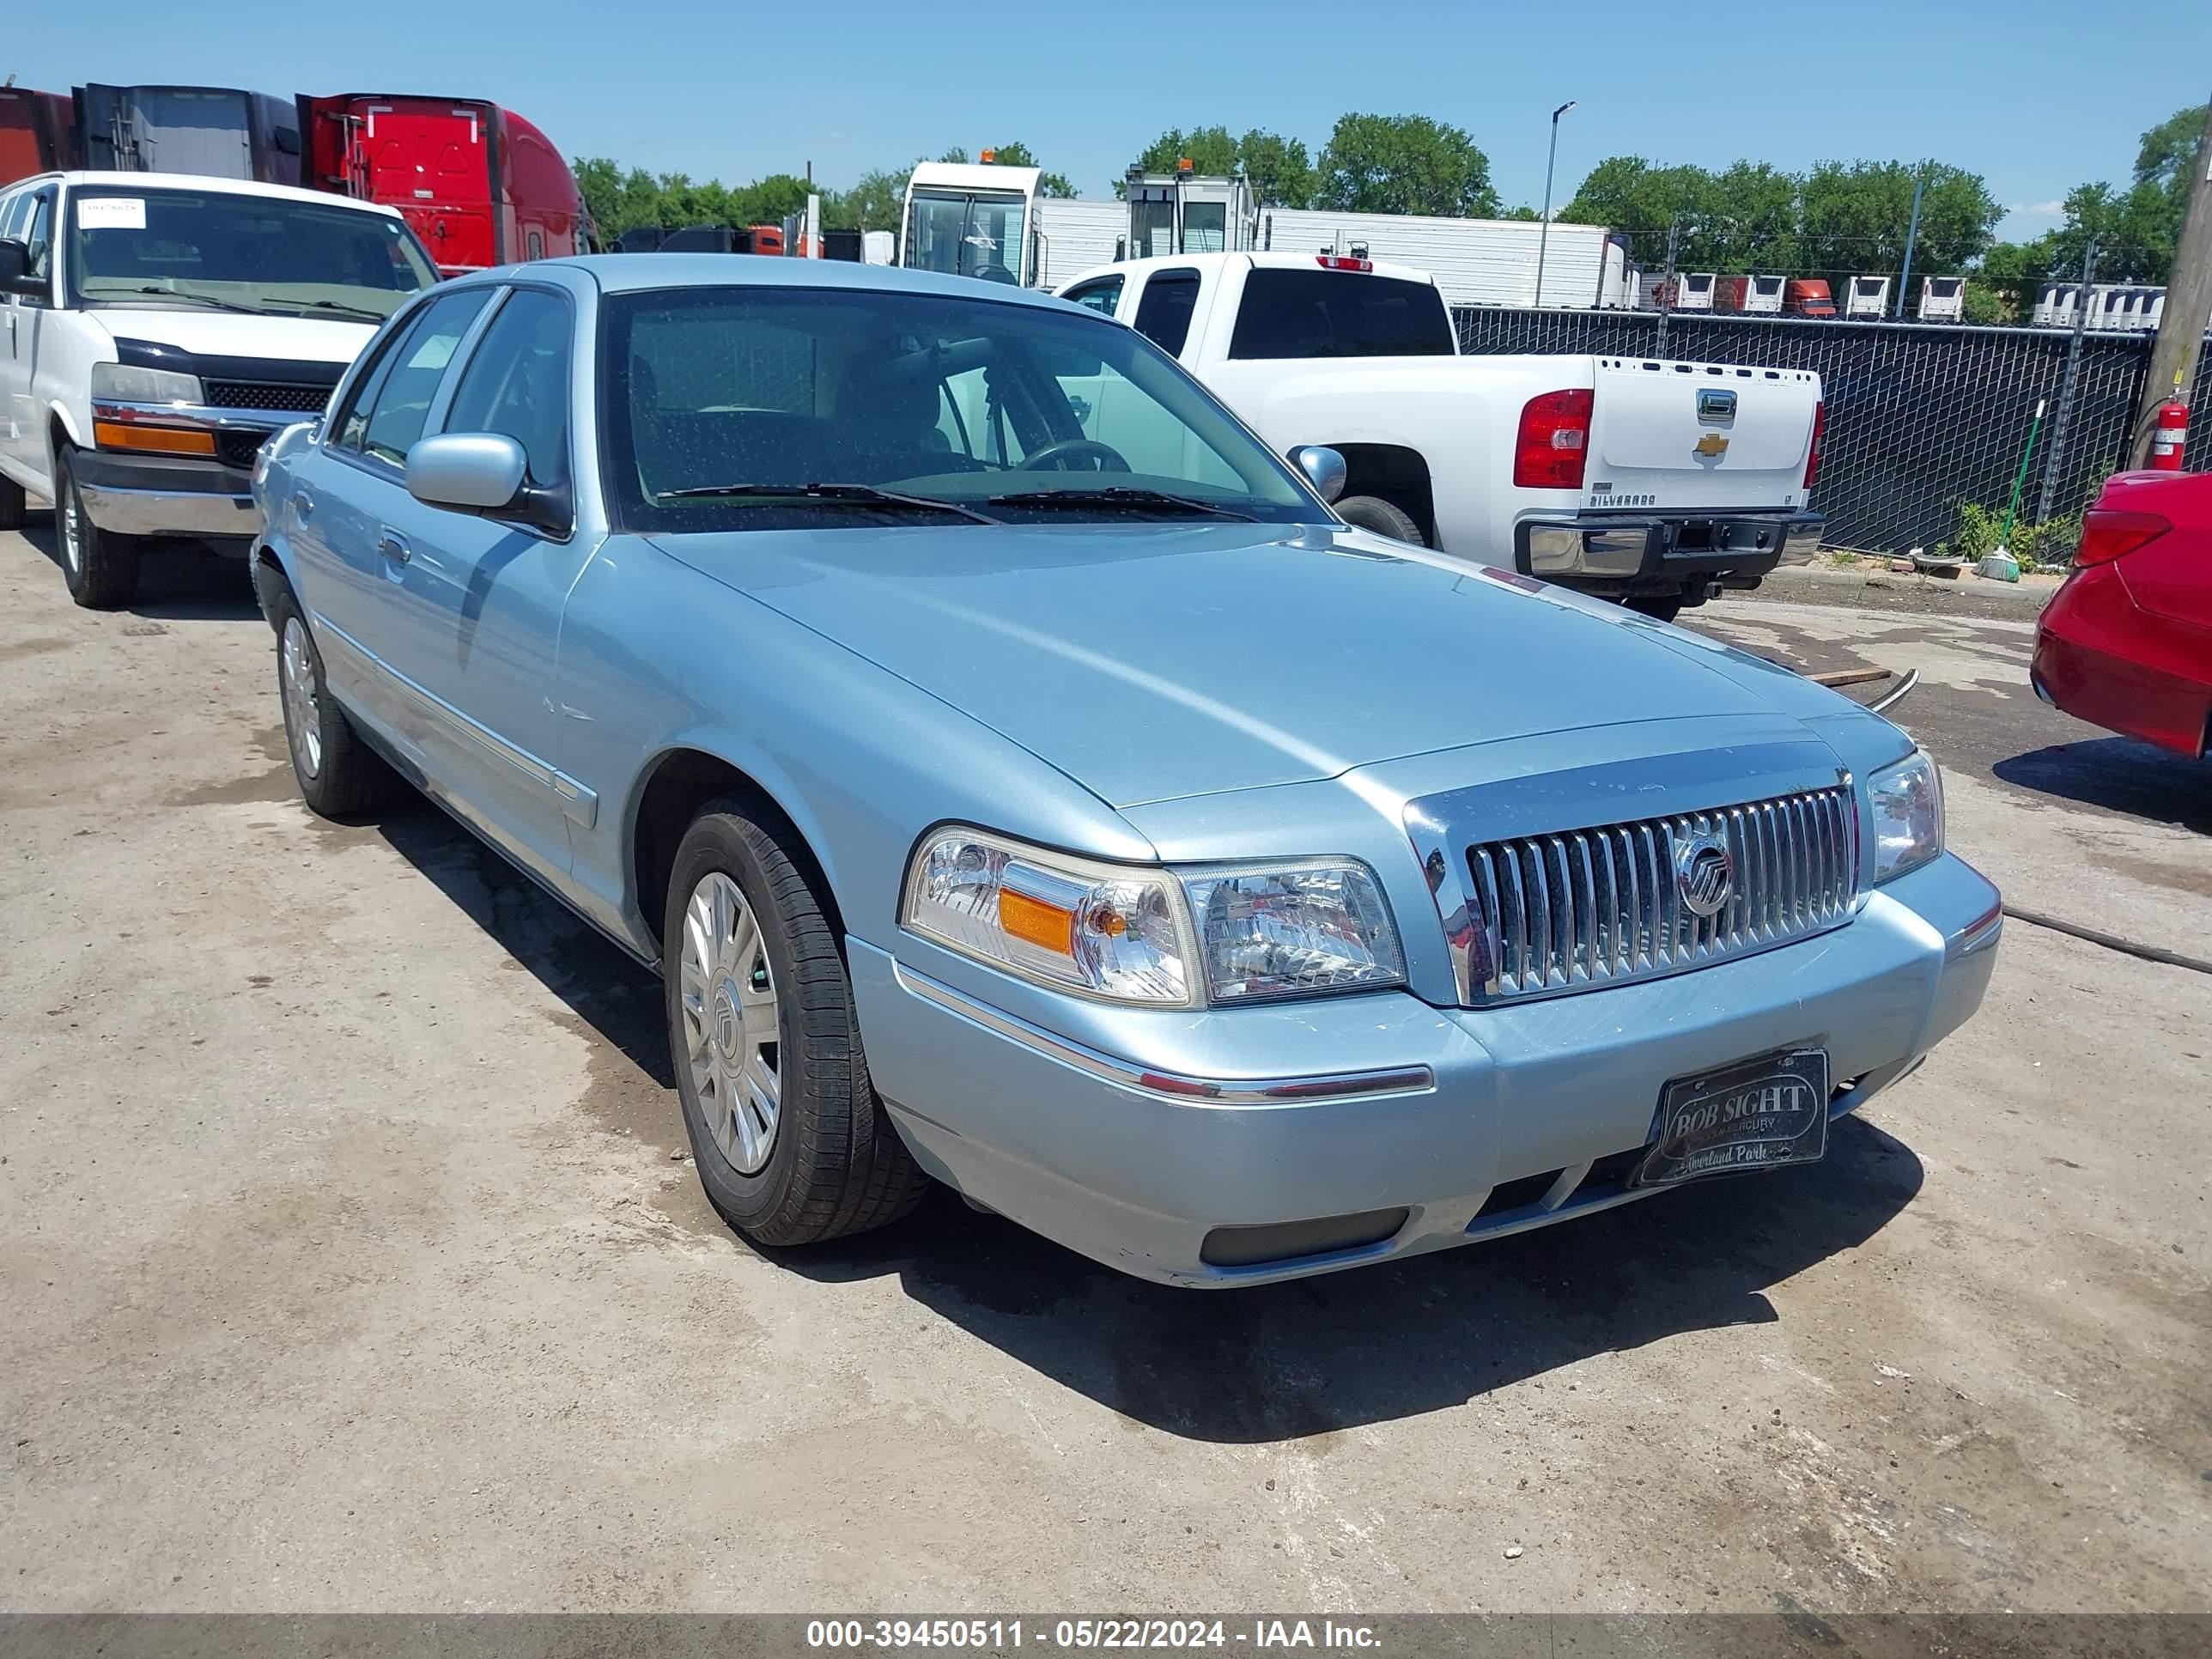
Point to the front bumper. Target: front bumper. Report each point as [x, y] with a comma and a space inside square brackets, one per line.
[165, 495]
[1663, 553]
[1115, 1143]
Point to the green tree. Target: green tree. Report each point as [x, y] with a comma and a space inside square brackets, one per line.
[1856, 213]
[876, 202]
[1278, 169]
[2137, 228]
[1404, 164]
[1644, 199]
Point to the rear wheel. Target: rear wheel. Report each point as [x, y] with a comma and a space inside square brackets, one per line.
[792, 1145]
[101, 568]
[338, 775]
[1383, 518]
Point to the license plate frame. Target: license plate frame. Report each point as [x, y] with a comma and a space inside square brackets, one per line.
[1768, 1112]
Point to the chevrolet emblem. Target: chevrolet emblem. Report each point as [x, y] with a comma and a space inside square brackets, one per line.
[1712, 446]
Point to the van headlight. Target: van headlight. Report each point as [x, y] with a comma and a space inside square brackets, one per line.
[1145, 935]
[1908, 815]
[123, 383]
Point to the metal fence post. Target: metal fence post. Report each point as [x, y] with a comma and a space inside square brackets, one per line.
[1666, 289]
[2055, 457]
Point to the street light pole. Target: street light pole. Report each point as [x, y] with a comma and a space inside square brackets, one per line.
[1544, 225]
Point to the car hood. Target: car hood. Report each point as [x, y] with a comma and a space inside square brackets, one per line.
[232, 334]
[1156, 661]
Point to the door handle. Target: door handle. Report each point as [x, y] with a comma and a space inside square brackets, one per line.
[394, 548]
[303, 504]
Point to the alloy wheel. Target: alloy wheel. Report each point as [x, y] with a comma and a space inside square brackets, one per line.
[303, 720]
[731, 1033]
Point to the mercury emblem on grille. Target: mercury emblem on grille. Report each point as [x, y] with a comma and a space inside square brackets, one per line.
[1705, 874]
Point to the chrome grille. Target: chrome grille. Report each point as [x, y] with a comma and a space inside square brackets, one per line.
[1596, 907]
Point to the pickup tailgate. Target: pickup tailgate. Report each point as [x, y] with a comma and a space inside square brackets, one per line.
[1698, 436]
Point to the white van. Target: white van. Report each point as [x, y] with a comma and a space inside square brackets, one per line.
[159, 327]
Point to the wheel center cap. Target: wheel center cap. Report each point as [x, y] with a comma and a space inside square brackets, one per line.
[727, 1024]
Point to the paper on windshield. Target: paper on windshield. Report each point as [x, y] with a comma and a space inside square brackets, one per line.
[112, 213]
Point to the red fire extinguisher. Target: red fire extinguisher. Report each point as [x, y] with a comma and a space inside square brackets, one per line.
[2170, 434]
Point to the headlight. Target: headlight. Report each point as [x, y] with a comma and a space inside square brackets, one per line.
[1100, 929]
[1292, 930]
[120, 383]
[1151, 936]
[1908, 815]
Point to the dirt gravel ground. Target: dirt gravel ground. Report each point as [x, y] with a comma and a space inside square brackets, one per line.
[346, 1265]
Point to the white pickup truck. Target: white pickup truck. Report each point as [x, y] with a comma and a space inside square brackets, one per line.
[1655, 483]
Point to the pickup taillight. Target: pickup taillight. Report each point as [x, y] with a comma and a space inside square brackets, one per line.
[1812, 455]
[1553, 444]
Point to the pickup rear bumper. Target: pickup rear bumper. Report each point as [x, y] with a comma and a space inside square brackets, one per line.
[1621, 553]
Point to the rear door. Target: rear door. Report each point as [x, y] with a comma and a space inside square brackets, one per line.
[1699, 436]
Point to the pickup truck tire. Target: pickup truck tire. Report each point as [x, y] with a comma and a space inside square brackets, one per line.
[13, 506]
[1665, 606]
[101, 568]
[760, 1012]
[338, 775]
[1373, 512]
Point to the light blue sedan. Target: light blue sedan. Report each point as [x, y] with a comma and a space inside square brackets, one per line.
[1020, 778]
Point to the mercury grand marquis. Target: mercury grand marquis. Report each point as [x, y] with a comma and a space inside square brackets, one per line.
[1020, 779]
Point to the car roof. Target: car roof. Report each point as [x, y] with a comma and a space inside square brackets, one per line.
[75, 179]
[629, 273]
[1258, 261]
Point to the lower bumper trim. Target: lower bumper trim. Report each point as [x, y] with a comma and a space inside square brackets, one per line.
[1172, 1085]
[131, 512]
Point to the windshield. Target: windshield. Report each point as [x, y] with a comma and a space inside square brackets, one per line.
[722, 406]
[966, 236]
[232, 252]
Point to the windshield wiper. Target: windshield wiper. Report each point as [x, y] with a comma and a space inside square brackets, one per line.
[824, 495]
[364, 312]
[181, 299]
[1115, 495]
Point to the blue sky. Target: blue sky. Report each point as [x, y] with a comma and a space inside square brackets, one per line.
[2034, 95]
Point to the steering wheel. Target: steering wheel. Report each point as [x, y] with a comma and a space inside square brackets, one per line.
[1056, 457]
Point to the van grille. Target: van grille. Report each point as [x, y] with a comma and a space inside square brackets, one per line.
[1597, 907]
[268, 394]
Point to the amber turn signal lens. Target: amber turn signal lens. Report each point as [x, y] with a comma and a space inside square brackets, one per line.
[1032, 920]
[156, 440]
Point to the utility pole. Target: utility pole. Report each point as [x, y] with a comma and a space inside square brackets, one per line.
[2188, 306]
[2055, 457]
[1544, 225]
[1911, 235]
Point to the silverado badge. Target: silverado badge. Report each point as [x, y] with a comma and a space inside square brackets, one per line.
[1712, 446]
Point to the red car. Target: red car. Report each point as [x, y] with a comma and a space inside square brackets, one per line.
[2126, 644]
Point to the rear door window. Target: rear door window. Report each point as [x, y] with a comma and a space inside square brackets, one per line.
[1163, 310]
[1289, 313]
[1102, 295]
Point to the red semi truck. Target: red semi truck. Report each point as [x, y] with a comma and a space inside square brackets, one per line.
[481, 186]
[37, 133]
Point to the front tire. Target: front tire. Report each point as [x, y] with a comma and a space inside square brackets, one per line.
[1383, 518]
[792, 1144]
[338, 775]
[101, 568]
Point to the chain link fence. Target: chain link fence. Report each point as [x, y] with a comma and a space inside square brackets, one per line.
[1920, 417]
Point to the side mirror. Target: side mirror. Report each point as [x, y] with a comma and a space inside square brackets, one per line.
[1324, 469]
[479, 472]
[15, 271]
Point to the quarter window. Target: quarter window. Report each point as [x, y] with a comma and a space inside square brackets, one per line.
[517, 382]
[387, 415]
[1163, 310]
